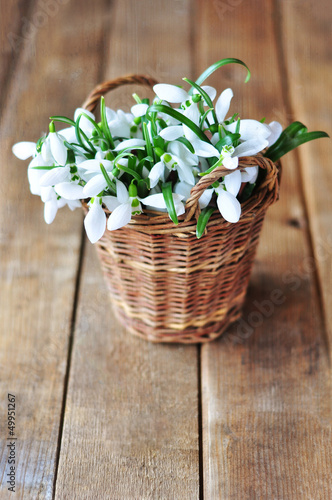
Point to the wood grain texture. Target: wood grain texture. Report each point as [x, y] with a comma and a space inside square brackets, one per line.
[309, 75]
[38, 263]
[13, 34]
[131, 420]
[266, 386]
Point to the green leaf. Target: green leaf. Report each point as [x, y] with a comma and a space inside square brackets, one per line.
[94, 123]
[63, 119]
[104, 123]
[44, 167]
[203, 219]
[218, 65]
[146, 137]
[107, 179]
[292, 137]
[168, 197]
[247, 190]
[161, 108]
[209, 170]
[129, 171]
[188, 144]
[143, 187]
[79, 134]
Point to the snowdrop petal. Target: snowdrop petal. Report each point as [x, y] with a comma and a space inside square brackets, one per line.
[47, 194]
[171, 133]
[68, 134]
[185, 173]
[276, 129]
[230, 163]
[251, 147]
[111, 202]
[95, 222]
[228, 206]
[183, 189]
[23, 150]
[205, 198]
[192, 112]
[249, 174]
[204, 149]
[58, 149]
[46, 152]
[94, 165]
[110, 114]
[156, 173]
[121, 192]
[139, 109]
[69, 190]
[119, 217]
[157, 200]
[94, 186]
[130, 143]
[223, 103]
[233, 182]
[250, 129]
[50, 211]
[54, 176]
[170, 93]
[179, 207]
[211, 91]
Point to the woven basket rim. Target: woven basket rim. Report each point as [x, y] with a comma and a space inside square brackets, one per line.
[265, 194]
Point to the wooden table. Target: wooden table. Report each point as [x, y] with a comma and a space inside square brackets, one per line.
[101, 414]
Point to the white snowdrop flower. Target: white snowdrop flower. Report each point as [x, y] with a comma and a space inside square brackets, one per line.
[123, 206]
[95, 220]
[57, 147]
[228, 205]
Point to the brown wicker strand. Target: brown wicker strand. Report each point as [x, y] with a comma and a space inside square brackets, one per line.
[93, 98]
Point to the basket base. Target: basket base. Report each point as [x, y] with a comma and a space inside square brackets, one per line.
[188, 335]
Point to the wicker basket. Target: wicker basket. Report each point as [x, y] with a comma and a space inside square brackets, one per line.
[165, 284]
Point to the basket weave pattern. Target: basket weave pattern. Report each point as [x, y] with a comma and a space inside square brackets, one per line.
[168, 286]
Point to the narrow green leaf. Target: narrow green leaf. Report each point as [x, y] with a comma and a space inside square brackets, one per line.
[203, 219]
[129, 171]
[168, 197]
[218, 65]
[187, 143]
[104, 123]
[146, 137]
[44, 167]
[161, 108]
[63, 119]
[110, 184]
[79, 134]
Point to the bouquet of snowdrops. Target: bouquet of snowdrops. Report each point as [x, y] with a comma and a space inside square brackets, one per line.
[148, 160]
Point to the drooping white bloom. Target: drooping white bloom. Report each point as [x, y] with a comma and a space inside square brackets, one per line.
[95, 220]
[228, 205]
[57, 147]
[122, 207]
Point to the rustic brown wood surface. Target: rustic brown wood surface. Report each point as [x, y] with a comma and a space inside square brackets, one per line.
[101, 414]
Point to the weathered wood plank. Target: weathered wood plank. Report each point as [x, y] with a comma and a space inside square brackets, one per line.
[309, 77]
[13, 22]
[131, 420]
[39, 263]
[265, 385]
